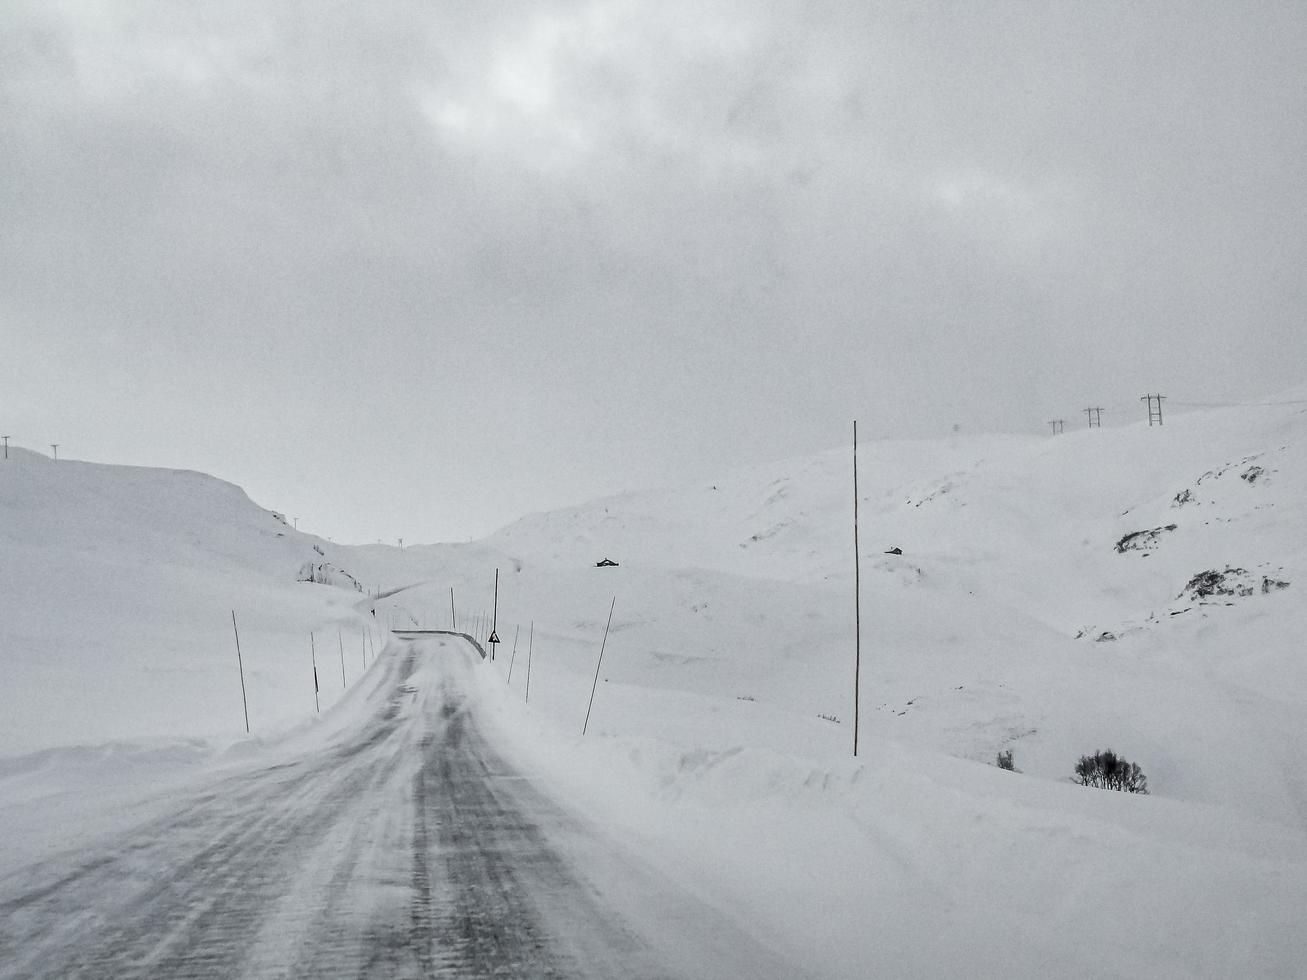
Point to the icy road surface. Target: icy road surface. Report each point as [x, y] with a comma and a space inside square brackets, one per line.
[400, 846]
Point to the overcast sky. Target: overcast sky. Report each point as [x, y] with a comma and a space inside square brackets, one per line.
[417, 268]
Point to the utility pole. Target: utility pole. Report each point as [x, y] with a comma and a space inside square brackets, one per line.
[6, 439]
[1095, 417]
[55, 447]
[1057, 425]
[453, 623]
[857, 599]
[1153, 414]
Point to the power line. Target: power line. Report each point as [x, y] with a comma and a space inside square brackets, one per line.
[1095, 417]
[1058, 425]
[1238, 404]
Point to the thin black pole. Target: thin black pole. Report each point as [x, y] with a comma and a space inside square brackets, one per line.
[597, 665]
[317, 705]
[530, 644]
[857, 598]
[342, 659]
[453, 621]
[513, 658]
[240, 664]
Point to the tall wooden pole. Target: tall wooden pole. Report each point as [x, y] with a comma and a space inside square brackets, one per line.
[597, 666]
[857, 598]
[241, 666]
[342, 659]
[453, 622]
[494, 617]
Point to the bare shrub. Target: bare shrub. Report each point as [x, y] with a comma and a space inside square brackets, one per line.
[1107, 770]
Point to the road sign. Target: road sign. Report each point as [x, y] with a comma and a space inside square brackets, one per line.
[494, 637]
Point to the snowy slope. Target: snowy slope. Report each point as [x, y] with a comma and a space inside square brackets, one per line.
[118, 588]
[1011, 620]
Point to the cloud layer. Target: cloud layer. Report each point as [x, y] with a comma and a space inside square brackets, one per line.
[412, 269]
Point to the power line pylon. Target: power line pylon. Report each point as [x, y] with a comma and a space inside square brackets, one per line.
[1095, 417]
[1154, 414]
[1057, 425]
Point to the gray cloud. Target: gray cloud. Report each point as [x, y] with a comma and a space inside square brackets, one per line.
[518, 253]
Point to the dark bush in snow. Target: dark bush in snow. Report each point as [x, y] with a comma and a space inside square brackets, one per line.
[1107, 770]
[1004, 761]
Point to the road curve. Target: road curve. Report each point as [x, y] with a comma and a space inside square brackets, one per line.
[404, 847]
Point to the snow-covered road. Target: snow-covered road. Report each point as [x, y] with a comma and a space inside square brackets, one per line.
[399, 845]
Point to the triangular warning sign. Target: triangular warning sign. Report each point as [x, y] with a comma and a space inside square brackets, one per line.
[494, 637]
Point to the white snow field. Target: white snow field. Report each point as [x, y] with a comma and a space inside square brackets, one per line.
[1025, 613]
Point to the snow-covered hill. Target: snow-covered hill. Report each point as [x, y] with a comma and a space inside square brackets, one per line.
[1131, 588]
[1044, 602]
[117, 586]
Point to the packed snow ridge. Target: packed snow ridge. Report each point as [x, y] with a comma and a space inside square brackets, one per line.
[1136, 589]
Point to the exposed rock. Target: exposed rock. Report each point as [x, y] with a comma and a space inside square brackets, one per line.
[325, 573]
[1214, 582]
[1143, 540]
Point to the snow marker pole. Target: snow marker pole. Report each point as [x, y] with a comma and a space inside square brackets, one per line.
[363, 641]
[317, 705]
[342, 659]
[453, 621]
[530, 643]
[597, 665]
[241, 666]
[513, 659]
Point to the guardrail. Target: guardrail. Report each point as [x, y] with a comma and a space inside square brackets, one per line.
[405, 634]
